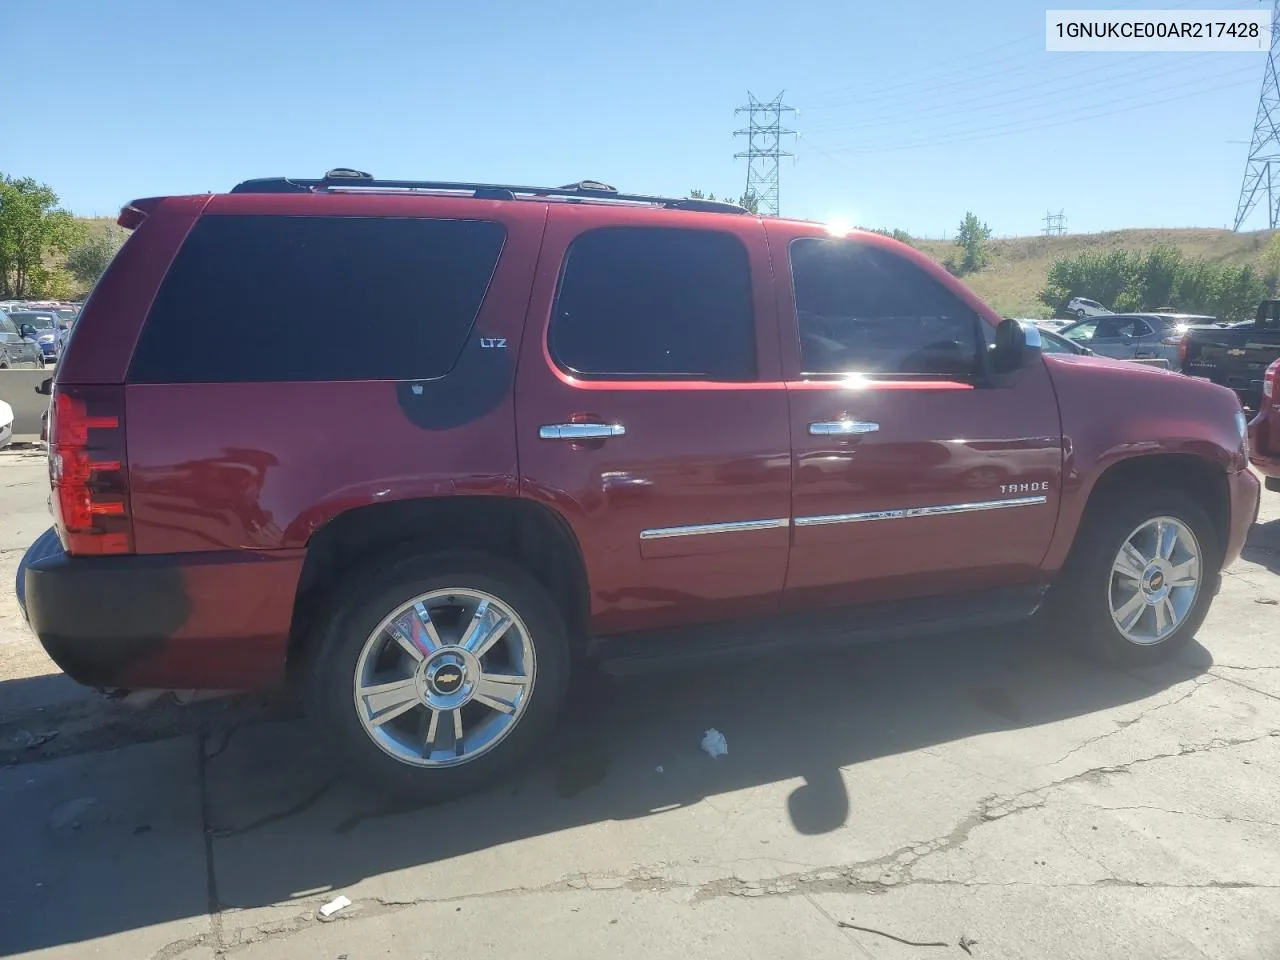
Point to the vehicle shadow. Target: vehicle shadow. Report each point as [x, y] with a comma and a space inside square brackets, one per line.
[280, 824]
[1263, 545]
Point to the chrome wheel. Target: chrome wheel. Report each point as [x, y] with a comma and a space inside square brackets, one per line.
[1155, 580]
[444, 678]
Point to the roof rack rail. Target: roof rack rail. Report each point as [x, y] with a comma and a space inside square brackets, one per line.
[343, 178]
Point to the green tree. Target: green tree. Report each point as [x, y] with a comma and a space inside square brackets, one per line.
[32, 226]
[1271, 264]
[748, 200]
[900, 235]
[1152, 280]
[973, 238]
[87, 261]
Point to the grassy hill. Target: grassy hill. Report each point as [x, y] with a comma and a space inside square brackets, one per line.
[1018, 265]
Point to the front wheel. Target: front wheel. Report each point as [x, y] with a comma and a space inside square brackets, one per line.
[437, 673]
[1140, 579]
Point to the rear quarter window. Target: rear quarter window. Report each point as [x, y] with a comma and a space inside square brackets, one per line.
[267, 298]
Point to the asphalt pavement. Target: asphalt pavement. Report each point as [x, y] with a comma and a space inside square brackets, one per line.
[982, 795]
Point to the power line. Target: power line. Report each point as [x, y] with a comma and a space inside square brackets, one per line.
[1007, 129]
[764, 133]
[974, 72]
[1262, 169]
[999, 100]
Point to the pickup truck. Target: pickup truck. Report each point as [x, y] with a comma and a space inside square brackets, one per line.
[1235, 356]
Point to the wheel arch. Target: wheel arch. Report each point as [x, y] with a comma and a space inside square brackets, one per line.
[1201, 477]
[513, 528]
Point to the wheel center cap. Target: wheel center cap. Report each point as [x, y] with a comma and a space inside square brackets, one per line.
[446, 675]
[447, 680]
[1155, 583]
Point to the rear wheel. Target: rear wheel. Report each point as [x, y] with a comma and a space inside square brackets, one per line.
[1139, 581]
[438, 673]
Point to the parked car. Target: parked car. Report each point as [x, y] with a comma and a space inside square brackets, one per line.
[1083, 307]
[44, 327]
[1264, 430]
[16, 351]
[1130, 336]
[634, 428]
[1235, 356]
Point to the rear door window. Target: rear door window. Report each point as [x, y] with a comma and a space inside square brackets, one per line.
[655, 303]
[864, 310]
[268, 298]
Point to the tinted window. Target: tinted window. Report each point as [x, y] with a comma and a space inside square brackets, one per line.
[1113, 328]
[655, 303]
[7, 325]
[317, 298]
[864, 310]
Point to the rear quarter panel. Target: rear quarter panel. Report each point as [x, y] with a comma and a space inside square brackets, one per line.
[1112, 411]
[109, 324]
[262, 466]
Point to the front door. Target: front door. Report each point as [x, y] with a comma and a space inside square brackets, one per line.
[913, 475]
[1111, 336]
[651, 414]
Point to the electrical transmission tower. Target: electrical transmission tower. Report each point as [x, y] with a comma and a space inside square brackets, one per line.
[764, 133]
[1055, 224]
[1262, 171]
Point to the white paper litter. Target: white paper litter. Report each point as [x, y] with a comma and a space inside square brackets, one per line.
[714, 744]
[658, 769]
[333, 906]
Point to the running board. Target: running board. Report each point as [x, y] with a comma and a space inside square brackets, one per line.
[637, 653]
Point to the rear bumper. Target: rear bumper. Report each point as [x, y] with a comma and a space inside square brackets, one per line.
[190, 620]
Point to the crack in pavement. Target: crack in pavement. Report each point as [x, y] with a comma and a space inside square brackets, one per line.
[301, 806]
[1224, 818]
[214, 903]
[1122, 725]
[1245, 686]
[876, 875]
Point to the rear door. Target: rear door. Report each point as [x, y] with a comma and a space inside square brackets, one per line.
[913, 476]
[651, 414]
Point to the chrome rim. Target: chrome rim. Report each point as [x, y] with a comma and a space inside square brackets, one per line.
[444, 678]
[1155, 580]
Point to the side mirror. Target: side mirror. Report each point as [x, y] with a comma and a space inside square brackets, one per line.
[27, 330]
[1015, 347]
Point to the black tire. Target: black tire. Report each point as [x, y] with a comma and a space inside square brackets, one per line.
[1272, 484]
[1078, 606]
[356, 610]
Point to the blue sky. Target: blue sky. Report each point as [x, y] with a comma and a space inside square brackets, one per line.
[910, 112]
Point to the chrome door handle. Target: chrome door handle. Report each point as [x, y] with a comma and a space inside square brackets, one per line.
[842, 428]
[580, 431]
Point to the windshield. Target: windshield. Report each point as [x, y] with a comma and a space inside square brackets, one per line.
[41, 321]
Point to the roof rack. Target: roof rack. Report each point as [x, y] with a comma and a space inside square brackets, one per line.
[343, 180]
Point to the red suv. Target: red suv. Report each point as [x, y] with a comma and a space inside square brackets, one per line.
[480, 431]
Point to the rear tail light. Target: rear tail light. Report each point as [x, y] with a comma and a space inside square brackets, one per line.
[87, 470]
[1271, 380]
